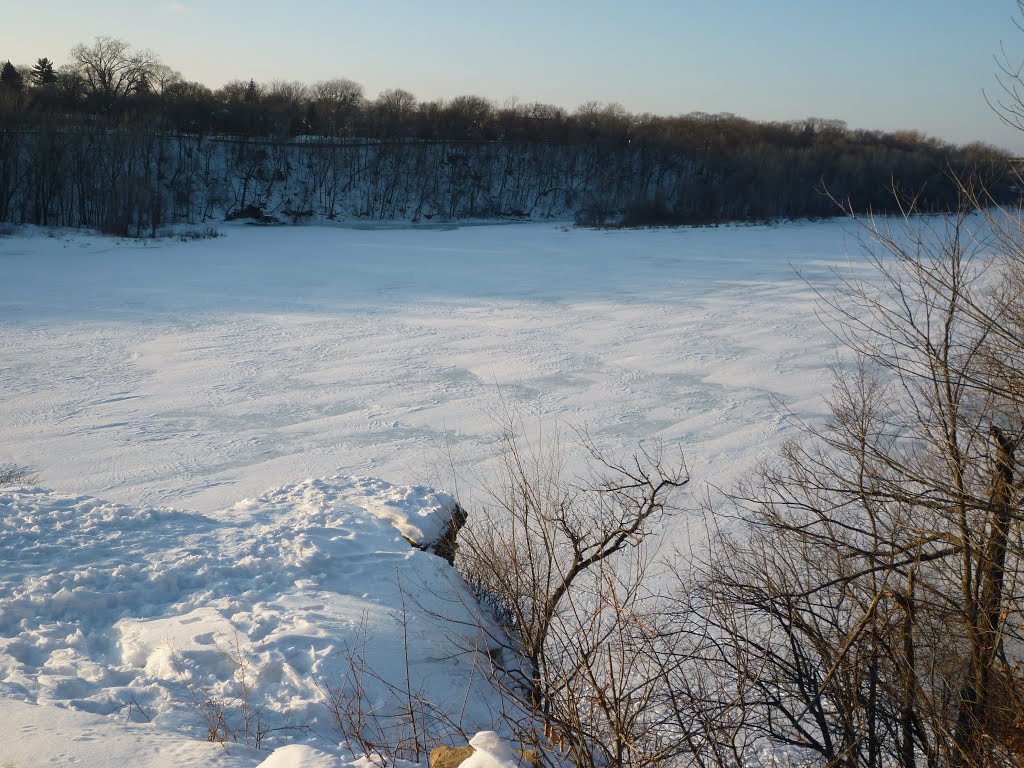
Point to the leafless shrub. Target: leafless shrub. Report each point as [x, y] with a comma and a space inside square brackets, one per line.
[15, 474]
[388, 721]
[131, 706]
[865, 607]
[563, 568]
[240, 716]
[205, 233]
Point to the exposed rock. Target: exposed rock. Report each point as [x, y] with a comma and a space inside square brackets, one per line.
[448, 545]
[453, 757]
[449, 757]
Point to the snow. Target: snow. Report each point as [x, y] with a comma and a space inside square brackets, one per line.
[491, 752]
[34, 736]
[195, 374]
[145, 615]
[160, 388]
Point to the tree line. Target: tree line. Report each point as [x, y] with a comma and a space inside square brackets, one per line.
[117, 140]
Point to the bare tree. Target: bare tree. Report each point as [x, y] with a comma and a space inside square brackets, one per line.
[337, 101]
[110, 69]
[338, 92]
[162, 79]
[286, 92]
[468, 115]
[868, 609]
[563, 566]
[396, 104]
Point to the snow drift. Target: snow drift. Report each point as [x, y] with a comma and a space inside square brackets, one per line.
[251, 620]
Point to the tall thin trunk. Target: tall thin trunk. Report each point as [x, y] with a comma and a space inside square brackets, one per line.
[975, 721]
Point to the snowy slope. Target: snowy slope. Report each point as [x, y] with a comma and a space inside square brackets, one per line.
[145, 616]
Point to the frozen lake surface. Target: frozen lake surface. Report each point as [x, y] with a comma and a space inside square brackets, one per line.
[196, 374]
[208, 420]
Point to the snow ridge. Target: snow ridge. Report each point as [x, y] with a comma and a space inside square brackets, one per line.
[143, 615]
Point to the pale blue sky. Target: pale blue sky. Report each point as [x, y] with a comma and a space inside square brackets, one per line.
[896, 64]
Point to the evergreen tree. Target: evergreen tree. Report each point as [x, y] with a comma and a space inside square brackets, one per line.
[143, 86]
[252, 93]
[11, 78]
[43, 73]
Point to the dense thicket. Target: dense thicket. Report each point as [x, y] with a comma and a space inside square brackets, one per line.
[119, 141]
[858, 602]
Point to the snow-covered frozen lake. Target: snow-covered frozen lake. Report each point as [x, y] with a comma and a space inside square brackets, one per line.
[196, 374]
[258, 383]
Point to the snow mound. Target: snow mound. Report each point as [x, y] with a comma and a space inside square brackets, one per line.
[272, 607]
[491, 752]
[301, 756]
[420, 514]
